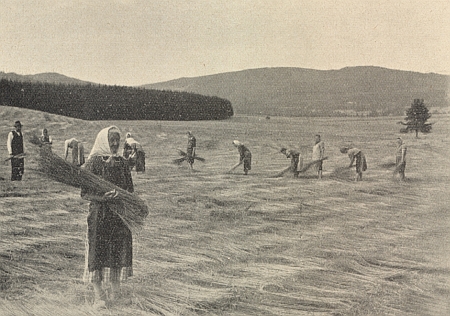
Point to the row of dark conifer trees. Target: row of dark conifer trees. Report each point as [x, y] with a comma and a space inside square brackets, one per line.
[102, 102]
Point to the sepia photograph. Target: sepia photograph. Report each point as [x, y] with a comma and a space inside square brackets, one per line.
[263, 158]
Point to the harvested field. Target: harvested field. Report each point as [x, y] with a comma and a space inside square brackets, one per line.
[229, 244]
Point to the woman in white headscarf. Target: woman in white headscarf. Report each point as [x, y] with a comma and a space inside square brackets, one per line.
[109, 249]
[45, 138]
[132, 150]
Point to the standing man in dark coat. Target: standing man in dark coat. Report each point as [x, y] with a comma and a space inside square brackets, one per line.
[16, 152]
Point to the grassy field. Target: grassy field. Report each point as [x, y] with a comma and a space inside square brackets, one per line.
[229, 244]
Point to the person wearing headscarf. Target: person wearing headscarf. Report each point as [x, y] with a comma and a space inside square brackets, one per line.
[77, 151]
[245, 156]
[191, 145]
[16, 151]
[45, 138]
[132, 150]
[360, 164]
[400, 158]
[109, 250]
[296, 160]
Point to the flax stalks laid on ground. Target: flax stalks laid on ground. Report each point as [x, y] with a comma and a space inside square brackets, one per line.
[305, 167]
[184, 157]
[342, 173]
[131, 209]
[310, 164]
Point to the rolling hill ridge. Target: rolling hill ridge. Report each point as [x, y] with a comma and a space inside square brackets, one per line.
[349, 91]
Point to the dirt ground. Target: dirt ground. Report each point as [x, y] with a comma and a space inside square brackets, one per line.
[230, 244]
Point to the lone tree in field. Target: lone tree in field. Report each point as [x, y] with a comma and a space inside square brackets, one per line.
[416, 118]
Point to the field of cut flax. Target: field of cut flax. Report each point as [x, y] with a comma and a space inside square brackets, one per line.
[228, 244]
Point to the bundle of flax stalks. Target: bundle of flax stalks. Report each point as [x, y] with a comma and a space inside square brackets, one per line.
[131, 209]
[184, 157]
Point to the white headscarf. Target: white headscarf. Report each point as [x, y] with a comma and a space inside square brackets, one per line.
[130, 140]
[101, 144]
[237, 143]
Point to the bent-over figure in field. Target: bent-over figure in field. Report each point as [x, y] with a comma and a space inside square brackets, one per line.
[77, 151]
[245, 157]
[296, 160]
[400, 158]
[16, 151]
[318, 153]
[358, 155]
[109, 248]
[132, 150]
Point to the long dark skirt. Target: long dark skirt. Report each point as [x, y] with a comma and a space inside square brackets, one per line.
[110, 248]
[189, 156]
[140, 161]
[361, 164]
[247, 161]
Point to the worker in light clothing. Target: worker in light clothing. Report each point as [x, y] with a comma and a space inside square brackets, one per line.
[400, 158]
[133, 152]
[77, 151]
[16, 152]
[318, 154]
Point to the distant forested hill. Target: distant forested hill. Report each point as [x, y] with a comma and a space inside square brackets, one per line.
[101, 102]
[306, 92]
[48, 77]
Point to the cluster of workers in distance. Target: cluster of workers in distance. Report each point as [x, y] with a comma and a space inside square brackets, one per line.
[135, 155]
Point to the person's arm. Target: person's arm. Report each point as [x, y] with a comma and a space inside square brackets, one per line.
[95, 167]
[50, 140]
[241, 155]
[8, 143]
[128, 178]
[108, 196]
[66, 149]
[322, 150]
[352, 159]
[24, 147]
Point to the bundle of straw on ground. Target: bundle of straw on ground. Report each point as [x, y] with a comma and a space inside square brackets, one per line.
[304, 169]
[310, 164]
[343, 173]
[131, 209]
[184, 157]
[388, 165]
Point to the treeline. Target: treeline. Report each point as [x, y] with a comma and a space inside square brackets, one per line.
[102, 102]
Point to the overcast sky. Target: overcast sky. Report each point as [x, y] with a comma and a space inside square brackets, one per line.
[134, 42]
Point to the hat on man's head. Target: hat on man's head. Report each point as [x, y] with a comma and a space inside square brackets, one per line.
[17, 123]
